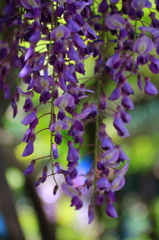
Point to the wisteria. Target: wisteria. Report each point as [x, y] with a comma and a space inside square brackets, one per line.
[68, 33]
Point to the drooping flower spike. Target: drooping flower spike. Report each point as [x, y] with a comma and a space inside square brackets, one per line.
[59, 36]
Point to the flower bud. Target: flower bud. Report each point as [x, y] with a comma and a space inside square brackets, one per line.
[30, 168]
[55, 189]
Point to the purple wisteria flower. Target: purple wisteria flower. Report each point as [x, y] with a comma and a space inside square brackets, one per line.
[28, 150]
[119, 125]
[149, 87]
[30, 118]
[140, 4]
[30, 4]
[143, 45]
[30, 168]
[115, 21]
[110, 211]
[66, 100]
[151, 30]
[113, 60]
[69, 190]
[56, 127]
[60, 32]
[110, 155]
[117, 183]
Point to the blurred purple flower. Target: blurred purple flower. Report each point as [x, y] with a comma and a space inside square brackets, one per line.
[143, 45]
[117, 183]
[149, 87]
[110, 211]
[60, 32]
[140, 4]
[115, 21]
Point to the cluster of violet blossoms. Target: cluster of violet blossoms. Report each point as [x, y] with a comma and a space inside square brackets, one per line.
[69, 32]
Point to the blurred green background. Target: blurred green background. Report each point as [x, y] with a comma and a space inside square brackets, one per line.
[35, 214]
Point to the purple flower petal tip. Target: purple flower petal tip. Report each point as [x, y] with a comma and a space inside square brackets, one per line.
[110, 211]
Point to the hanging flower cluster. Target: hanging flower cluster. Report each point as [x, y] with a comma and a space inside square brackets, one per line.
[69, 32]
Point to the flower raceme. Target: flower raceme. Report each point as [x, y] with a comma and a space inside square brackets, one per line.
[68, 33]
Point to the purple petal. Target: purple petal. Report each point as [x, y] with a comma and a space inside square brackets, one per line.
[68, 190]
[60, 32]
[119, 125]
[118, 183]
[73, 174]
[111, 196]
[26, 5]
[74, 201]
[111, 155]
[103, 183]
[44, 175]
[58, 138]
[127, 89]
[150, 88]
[72, 26]
[148, 29]
[121, 172]
[115, 21]
[113, 60]
[103, 6]
[25, 94]
[29, 53]
[143, 45]
[28, 150]
[55, 189]
[122, 154]
[37, 183]
[139, 81]
[78, 41]
[68, 76]
[72, 54]
[114, 1]
[7, 93]
[29, 118]
[110, 211]
[140, 4]
[90, 214]
[68, 180]
[127, 103]
[84, 114]
[66, 100]
[78, 125]
[106, 143]
[54, 151]
[73, 154]
[148, 4]
[100, 199]
[59, 125]
[115, 94]
[25, 70]
[30, 168]
[79, 205]
[35, 37]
